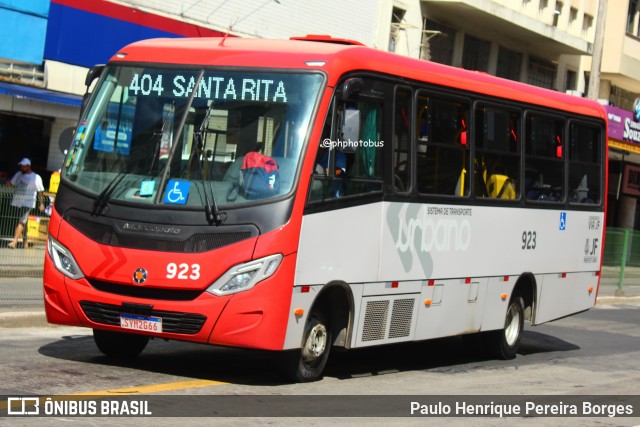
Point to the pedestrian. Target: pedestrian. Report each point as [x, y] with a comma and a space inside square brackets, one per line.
[28, 188]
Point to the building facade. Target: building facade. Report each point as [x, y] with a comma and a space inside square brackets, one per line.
[620, 92]
[548, 43]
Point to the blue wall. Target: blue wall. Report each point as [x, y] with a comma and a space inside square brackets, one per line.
[89, 32]
[23, 27]
[84, 38]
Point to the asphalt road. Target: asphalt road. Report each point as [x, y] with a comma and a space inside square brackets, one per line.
[590, 354]
[593, 354]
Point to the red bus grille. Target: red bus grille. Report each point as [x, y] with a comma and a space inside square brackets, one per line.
[174, 322]
[145, 291]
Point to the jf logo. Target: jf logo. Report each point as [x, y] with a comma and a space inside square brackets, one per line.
[591, 247]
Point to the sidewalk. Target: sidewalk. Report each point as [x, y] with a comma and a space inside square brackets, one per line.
[610, 293]
[21, 262]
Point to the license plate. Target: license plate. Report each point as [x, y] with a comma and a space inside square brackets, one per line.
[140, 323]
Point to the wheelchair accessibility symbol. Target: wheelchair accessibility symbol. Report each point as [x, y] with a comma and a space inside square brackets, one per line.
[177, 192]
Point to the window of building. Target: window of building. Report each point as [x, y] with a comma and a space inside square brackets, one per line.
[442, 151]
[544, 158]
[497, 153]
[509, 64]
[475, 55]
[573, 16]
[585, 163]
[439, 47]
[587, 24]
[557, 13]
[570, 80]
[622, 98]
[541, 73]
[396, 22]
[543, 5]
[632, 17]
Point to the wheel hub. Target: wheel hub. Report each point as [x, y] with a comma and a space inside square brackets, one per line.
[316, 343]
[512, 331]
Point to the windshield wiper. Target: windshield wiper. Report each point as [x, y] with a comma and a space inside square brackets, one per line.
[103, 198]
[159, 135]
[211, 208]
[172, 152]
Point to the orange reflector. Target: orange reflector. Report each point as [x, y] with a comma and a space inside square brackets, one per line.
[427, 302]
[504, 297]
[467, 280]
[431, 282]
[394, 284]
[590, 289]
[304, 289]
[298, 311]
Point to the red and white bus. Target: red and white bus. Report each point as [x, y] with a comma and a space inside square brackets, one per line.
[298, 195]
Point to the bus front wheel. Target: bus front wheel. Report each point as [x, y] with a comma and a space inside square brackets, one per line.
[307, 364]
[119, 344]
[506, 342]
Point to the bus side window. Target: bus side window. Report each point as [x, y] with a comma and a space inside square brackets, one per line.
[349, 157]
[585, 160]
[402, 141]
[497, 165]
[544, 158]
[442, 152]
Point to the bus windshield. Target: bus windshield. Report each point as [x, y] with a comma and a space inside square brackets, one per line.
[184, 136]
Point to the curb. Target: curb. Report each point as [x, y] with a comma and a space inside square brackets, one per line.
[618, 300]
[24, 319]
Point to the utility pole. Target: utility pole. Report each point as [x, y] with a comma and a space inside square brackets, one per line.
[598, 45]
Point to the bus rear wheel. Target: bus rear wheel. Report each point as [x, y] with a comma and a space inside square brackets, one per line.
[119, 344]
[307, 364]
[505, 342]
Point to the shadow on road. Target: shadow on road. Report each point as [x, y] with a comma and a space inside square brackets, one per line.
[253, 367]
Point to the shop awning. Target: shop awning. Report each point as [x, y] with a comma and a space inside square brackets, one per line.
[624, 145]
[42, 95]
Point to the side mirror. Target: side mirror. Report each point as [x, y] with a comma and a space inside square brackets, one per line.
[93, 73]
[351, 88]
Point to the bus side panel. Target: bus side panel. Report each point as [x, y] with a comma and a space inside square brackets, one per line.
[341, 245]
[495, 308]
[451, 307]
[433, 241]
[565, 294]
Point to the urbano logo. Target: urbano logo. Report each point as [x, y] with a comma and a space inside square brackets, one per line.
[23, 406]
[417, 232]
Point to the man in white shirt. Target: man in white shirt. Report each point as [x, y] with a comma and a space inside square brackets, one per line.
[28, 184]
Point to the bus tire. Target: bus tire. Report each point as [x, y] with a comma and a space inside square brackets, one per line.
[504, 343]
[119, 344]
[307, 364]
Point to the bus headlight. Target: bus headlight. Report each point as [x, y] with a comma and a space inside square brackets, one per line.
[245, 276]
[63, 260]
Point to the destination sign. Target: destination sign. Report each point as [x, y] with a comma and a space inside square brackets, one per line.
[237, 88]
